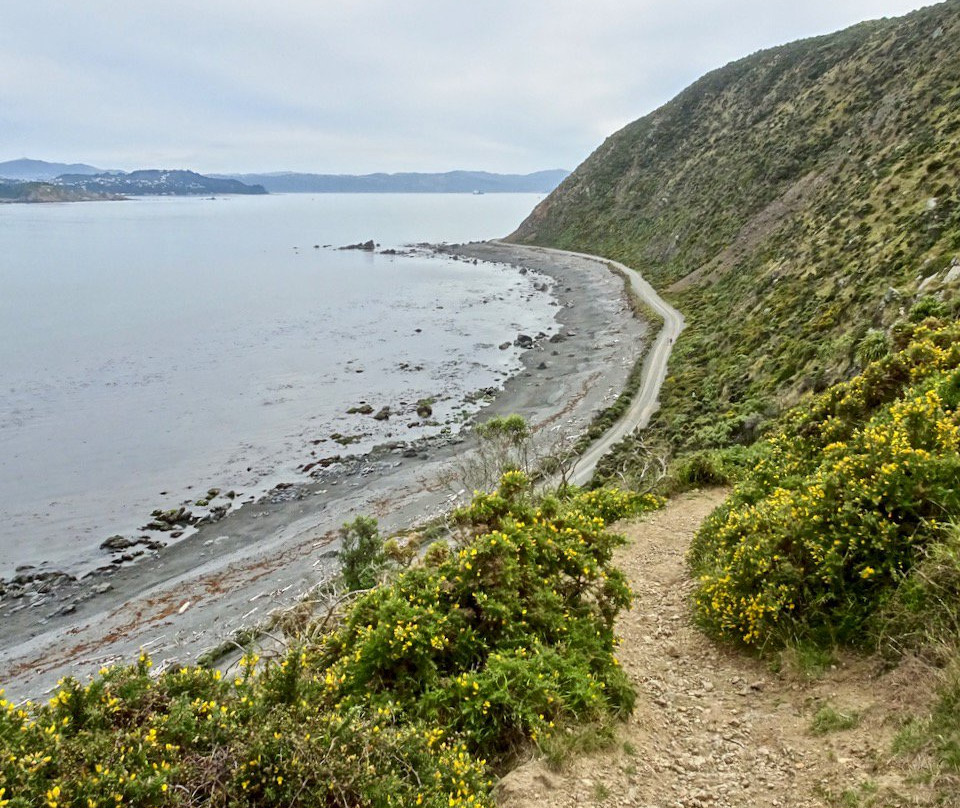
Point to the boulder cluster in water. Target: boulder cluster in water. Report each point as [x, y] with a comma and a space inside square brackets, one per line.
[177, 520]
[40, 585]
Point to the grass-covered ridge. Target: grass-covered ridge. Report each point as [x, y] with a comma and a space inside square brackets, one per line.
[423, 688]
[792, 205]
[846, 499]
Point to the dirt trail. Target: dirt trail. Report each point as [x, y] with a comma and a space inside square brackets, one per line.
[714, 727]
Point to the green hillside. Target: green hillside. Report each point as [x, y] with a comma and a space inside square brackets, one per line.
[801, 207]
[794, 205]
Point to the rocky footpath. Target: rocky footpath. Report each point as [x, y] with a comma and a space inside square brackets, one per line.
[715, 728]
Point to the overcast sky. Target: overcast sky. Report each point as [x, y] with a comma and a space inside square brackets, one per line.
[354, 86]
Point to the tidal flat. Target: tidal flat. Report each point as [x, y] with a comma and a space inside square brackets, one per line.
[186, 598]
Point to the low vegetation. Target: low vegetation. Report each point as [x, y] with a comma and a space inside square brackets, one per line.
[422, 690]
[829, 719]
[361, 553]
[844, 504]
[846, 531]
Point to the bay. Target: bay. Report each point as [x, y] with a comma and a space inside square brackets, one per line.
[152, 349]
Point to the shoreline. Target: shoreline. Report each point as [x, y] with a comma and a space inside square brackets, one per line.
[189, 596]
[317, 449]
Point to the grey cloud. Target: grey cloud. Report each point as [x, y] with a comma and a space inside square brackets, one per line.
[366, 85]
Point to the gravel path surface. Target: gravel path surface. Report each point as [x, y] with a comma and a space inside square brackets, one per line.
[716, 728]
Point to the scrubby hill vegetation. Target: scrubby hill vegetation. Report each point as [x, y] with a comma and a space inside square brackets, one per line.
[794, 205]
[12, 191]
[842, 503]
[801, 207]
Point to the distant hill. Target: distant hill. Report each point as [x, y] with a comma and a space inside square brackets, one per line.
[40, 170]
[13, 191]
[157, 182]
[462, 182]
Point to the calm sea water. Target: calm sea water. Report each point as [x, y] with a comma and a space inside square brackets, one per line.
[155, 348]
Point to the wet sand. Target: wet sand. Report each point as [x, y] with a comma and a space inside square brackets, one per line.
[186, 598]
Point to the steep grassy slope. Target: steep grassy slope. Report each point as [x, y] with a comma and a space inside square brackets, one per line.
[794, 205]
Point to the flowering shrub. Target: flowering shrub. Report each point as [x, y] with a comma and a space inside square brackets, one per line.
[452, 664]
[842, 503]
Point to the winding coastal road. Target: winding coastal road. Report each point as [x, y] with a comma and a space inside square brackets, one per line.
[188, 597]
[646, 401]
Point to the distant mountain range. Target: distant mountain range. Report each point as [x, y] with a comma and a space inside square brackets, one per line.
[87, 178]
[405, 183]
[40, 181]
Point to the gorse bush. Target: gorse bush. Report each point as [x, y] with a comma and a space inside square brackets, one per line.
[427, 684]
[510, 636]
[842, 504]
[190, 737]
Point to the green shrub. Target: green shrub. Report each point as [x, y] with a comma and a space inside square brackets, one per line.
[191, 737]
[926, 306]
[361, 553]
[503, 444]
[699, 469]
[874, 345]
[842, 504]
